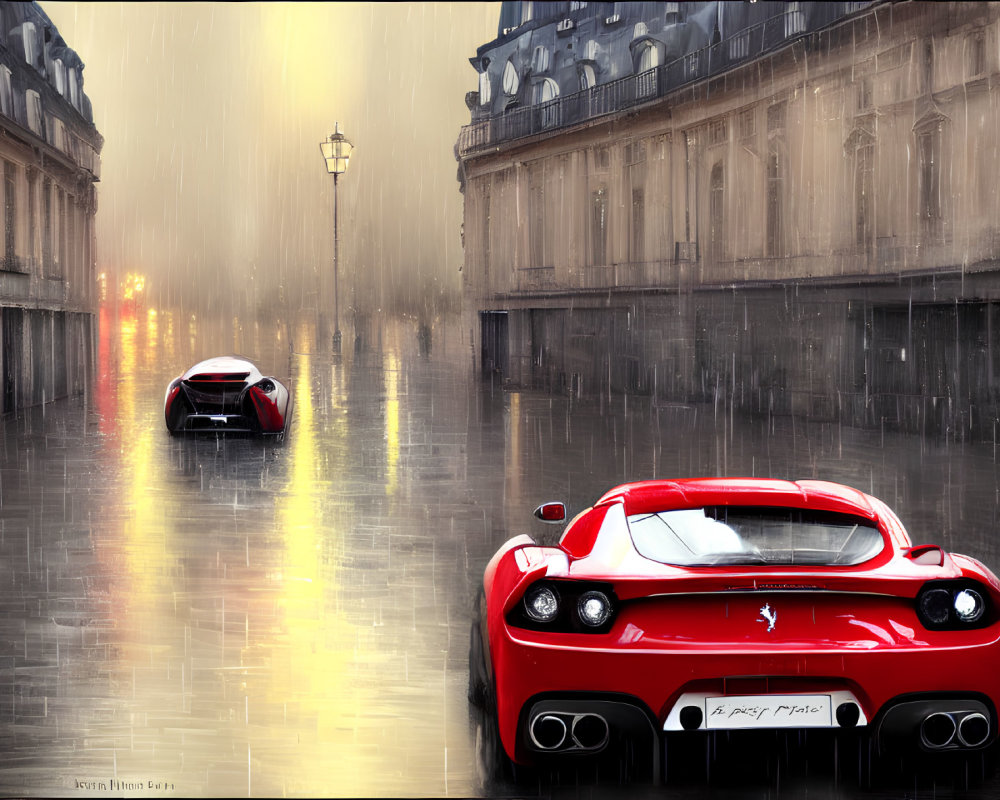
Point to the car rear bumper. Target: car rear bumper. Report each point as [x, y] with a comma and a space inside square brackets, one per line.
[952, 681]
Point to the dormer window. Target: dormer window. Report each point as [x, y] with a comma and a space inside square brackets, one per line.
[30, 37]
[510, 81]
[74, 88]
[59, 72]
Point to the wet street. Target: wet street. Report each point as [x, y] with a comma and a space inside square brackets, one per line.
[234, 617]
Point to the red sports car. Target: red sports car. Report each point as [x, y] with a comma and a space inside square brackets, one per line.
[673, 608]
[228, 394]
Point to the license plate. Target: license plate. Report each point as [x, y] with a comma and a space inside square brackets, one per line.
[769, 711]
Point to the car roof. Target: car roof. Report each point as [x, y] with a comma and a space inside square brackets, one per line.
[221, 365]
[660, 495]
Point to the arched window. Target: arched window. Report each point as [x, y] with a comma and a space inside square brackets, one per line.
[510, 82]
[587, 78]
[590, 50]
[640, 29]
[547, 90]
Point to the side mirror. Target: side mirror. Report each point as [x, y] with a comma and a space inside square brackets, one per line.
[928, 555]
[551, 512]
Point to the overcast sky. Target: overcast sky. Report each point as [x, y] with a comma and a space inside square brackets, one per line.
[212, 114]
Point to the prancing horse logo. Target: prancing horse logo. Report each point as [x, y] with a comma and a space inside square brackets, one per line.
[768, 615]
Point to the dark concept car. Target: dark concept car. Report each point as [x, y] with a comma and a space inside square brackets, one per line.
[227, 394]
[676, 609]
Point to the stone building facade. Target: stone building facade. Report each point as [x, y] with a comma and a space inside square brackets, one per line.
[786, 205]
[49, 163]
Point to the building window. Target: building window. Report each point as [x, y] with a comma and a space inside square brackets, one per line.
[30, 43]
[691, 64]
[650, 58]
[32, 214]
[716, 211]
[6, 94]
[74, 88]
[47, 264]
[637, 250]
[602, 158]
[748, 124]
[527, 10]
[864, 195]
[486, 234]
[718, 132]
[590, 50]
[540, 59]
[485, 94]
[59, 73]
[536, 220]
[929, 176]
[739, 45]
[928, 66]
[775, 232]
[599, 226]
[865, 94]
[776, 117]
[634, 152]
[510, 82]
[640, 29]
[795, 19]
[9, 215]
[587, 78]
[975, 55]
[34, 105]
[545, 93]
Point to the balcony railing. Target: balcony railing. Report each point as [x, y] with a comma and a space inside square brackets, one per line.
[608, 98]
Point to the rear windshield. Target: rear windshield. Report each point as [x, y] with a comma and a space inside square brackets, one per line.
[729, 535]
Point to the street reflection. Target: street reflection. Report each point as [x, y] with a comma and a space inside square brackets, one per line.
[235, 616]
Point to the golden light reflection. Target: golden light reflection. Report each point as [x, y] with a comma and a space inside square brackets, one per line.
[142, 531]
[314, 652]
[513, 468]
[391, 422]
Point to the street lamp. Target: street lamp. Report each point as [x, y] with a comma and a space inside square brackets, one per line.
[336, 151]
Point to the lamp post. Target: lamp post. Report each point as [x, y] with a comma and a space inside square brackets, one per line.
[336, 152]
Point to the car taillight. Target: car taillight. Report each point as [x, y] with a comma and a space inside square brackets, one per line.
[953, 605]
[565, 607]
[593, 609]
[541, 603]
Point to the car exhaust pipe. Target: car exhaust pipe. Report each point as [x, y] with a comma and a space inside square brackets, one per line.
[973, 730]
[548, 732]
[590, 731]
[937, 730]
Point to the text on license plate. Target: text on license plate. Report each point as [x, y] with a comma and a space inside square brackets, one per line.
[769, 711]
